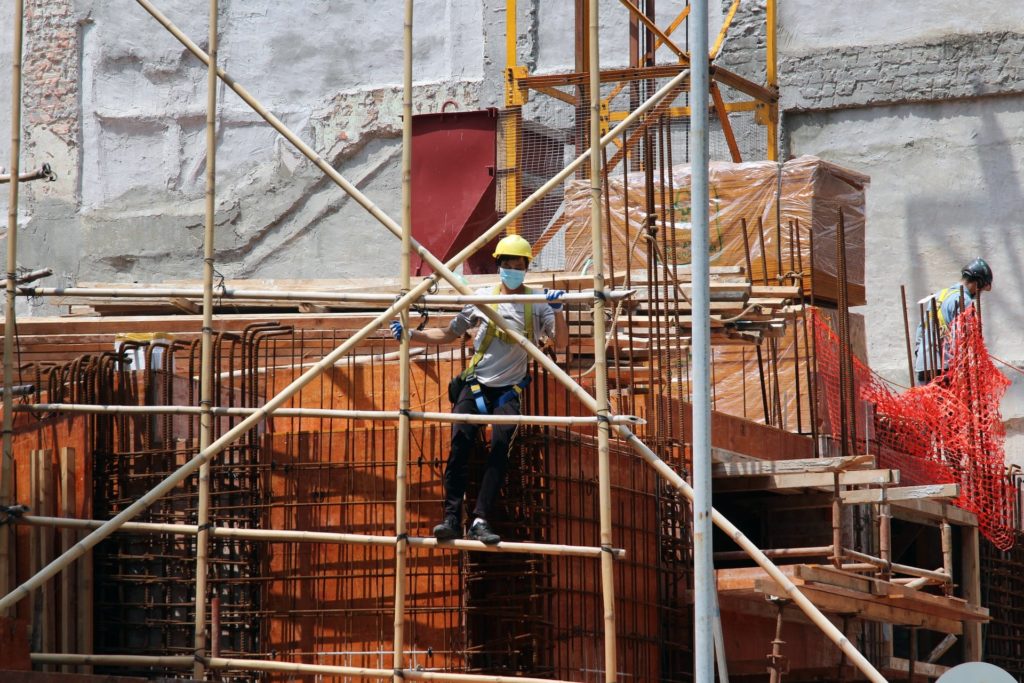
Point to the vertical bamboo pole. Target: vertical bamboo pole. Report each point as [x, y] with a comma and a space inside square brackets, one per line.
[46, 507]
[67, 536]
[600, 352]
[7, 461]
[84, 578]
[206, 369]
[704, 570]
[946, 530]
[401, 529]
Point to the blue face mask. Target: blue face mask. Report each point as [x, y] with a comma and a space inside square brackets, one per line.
[513, 279]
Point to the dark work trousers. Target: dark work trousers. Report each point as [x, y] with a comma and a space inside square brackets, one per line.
[456, 472]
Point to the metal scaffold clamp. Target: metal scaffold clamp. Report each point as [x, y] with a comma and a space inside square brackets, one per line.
[11, 513]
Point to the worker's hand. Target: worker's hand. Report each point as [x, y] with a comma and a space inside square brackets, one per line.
[553, 296]
[397, 331]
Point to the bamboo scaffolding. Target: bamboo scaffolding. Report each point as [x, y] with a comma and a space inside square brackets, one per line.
[401, 467]
[307, 295]
[400, 304]
[206, 364]
[284, 536]
[7, 552]
[454, 418]
[603, 406]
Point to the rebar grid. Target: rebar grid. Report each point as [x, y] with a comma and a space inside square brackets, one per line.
[123, 431]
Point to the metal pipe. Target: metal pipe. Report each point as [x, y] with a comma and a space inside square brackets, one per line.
[603, 407]
[404, 369]
[285, 536]
[206, 364]
[906, 335]
[310, 295]
[703, 563]
[454, 418]
[7, 550]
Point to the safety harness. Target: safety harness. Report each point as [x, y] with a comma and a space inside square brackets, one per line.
[939, 300]
[469, 374]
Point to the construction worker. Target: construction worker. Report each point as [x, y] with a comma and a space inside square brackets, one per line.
[943, 307]
[492, 383]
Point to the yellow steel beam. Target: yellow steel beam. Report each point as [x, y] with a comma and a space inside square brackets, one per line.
[676, 112]
[515, 96]
[773, 80]
[683, 57]
[724, 30]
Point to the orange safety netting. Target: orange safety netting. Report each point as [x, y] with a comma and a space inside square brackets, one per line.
[947, 431]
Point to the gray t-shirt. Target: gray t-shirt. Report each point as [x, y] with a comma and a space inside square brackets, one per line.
[503, 364]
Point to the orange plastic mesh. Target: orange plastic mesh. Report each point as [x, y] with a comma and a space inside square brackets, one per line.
[948, 431]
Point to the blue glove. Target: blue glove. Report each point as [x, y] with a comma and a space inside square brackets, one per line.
[396, 330]
[552, 296]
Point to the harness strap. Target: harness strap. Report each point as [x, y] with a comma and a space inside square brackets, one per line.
[515, 392]
[493, 331]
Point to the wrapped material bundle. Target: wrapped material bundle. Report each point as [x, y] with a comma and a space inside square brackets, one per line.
[806, 192]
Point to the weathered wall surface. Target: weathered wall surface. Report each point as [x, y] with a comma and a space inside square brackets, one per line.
[926, 102]
[929, 104]
[117, 106]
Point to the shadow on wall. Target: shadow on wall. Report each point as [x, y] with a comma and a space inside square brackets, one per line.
[943, 224]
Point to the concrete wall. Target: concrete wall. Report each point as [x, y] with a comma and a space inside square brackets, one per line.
[925, 100]
[929, 104]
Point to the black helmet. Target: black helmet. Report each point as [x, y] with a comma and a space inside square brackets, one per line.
[979, 271]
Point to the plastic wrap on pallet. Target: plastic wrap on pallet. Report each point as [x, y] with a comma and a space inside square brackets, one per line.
[736, 377]
[805, 191]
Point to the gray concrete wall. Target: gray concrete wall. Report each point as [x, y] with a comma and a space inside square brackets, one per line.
[929, 104]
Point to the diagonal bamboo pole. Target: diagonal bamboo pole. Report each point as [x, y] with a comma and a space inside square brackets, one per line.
[403, 302]
[600, 356]
[206, 353]
[404, 369]
[7, 460]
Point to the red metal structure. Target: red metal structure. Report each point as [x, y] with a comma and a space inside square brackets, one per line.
[453, 183]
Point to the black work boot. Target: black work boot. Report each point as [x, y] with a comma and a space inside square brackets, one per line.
[448, 529]
[482, 531]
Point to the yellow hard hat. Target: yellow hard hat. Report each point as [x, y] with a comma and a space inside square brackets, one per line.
[513, 245]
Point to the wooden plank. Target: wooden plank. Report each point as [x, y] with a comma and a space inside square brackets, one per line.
[926, 492]
[923, 669]
[970, 571]
[932, 513]
[806, 480]
[842, 601]
[749, 467]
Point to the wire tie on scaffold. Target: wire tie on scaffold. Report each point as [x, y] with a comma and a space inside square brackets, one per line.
[11, 513]
[206, 527]
[601, 294]
[404, 536]
[405, 412]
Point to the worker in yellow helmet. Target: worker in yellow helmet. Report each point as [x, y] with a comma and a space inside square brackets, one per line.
[492, 383]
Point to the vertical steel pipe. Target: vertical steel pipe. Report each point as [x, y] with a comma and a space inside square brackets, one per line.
[600, 352]
[401, 467]
[704, 571]
[206, 364]
[7, 464]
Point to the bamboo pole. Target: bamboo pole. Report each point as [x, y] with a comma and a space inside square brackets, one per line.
[225, 664]
[68, 578]
[603, 407]
[404, 368]
[314, 296]
[285, 536]
[454, 418]
[7, 549]
[896, 568]
[206, 352]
